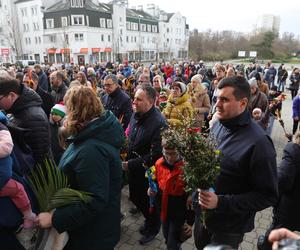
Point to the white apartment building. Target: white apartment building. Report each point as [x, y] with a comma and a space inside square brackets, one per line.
[8, 48]
[86, 31]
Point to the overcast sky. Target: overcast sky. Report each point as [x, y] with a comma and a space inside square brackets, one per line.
[234, 15]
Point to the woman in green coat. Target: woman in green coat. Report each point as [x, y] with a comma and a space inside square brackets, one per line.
[92, 164]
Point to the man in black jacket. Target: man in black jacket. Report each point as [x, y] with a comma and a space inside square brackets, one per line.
[31, 81]
[144, 149]
[42, 77]
[25, 107]
[248, 179]
[59, 88]
[116, 100]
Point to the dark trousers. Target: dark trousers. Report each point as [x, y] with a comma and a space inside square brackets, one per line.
[138, 186]
[295, 126]
[294, 93]
[203, 237]
[171, 232]
[9, 241]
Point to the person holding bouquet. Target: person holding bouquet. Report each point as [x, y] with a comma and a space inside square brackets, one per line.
[248, 160]
[177, 219]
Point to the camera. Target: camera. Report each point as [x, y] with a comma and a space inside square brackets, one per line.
[289, 244]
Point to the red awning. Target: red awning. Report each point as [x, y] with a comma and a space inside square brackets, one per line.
[5, 51]
[108, 50]
[65, 51]
[84, 50]
[51, 51]
[95, 50]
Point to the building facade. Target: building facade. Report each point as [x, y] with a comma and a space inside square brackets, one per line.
[8, 39]
[87, 31]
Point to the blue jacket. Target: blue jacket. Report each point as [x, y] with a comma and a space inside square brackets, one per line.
[248, 179]
[296, 106]
[43, 81]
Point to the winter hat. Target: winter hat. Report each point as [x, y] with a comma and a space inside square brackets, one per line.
[253, 82]
[181, 85]
[59, 109]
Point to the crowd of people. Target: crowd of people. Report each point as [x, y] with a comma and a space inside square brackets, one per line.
[80, 118]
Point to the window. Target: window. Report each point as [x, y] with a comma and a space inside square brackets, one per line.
[76, 3]
[109, 23]
[134, 26]
[121, 32]
[77, 20]
[127, 39]
[149, 27]
[132, 39]
[102, 38]
[135, 39]
[36, 26]
[29, 40]
[143, 27]
[24, 12]
[79, 37]
[49, 23]
[102, 22]
[64, 21]
[154, 28]
[40, 40]
[128, 25]
[36, 40]
[108, 38]
[167, 30]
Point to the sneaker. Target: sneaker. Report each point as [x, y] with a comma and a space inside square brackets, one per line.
[147, 238]
[134, 210]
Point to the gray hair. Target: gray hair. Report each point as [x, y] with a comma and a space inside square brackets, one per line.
[112, 77]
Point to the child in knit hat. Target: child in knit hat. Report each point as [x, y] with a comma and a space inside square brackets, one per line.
[8, 186]
[57, 114]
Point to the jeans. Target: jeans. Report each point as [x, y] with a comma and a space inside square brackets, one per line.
[294, 92]
[281, 85]
[171, 232]
[204, 237]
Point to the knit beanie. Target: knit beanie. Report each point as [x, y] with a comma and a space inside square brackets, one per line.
[59, 109]
[181, 85]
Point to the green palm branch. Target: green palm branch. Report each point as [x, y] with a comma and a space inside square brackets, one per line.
[51, 188]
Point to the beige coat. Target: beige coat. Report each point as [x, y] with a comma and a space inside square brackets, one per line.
[199, 100]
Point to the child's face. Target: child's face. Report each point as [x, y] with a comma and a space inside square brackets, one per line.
[256, 115]
[171, 155]
[56, 118]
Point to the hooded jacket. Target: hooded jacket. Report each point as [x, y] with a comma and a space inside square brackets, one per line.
[248, 179]
[177, 109]
[28, 114]
[92, 163]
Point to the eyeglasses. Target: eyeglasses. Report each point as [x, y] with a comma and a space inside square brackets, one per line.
[173, 153]
[155, 81]
[108, 85]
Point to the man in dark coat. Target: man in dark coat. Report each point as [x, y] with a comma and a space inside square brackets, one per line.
[31, 80]
[116, 100]
[43, 79]
[59, 88]
[25, 106]
[248, 160]
[144, 149]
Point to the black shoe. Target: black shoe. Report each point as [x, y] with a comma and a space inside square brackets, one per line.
[147, 238]
[142, 229]
[134, 210]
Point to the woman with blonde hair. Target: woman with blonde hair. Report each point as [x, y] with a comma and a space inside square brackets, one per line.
[92, 163]
[198, 98]
[81, 77]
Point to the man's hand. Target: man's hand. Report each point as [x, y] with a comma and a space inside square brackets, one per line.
[207, 199]
[280, 234]
[125, 165]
